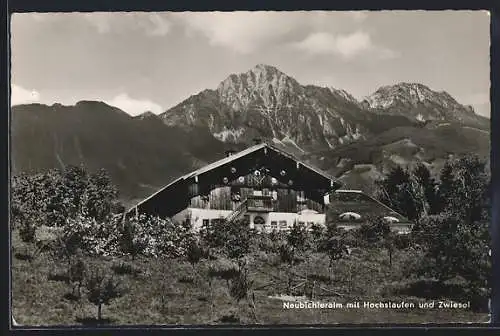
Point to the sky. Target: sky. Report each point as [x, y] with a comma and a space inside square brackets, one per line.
[141, 61]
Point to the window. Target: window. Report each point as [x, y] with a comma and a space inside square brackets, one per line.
[310, 224]
[274, 224]
[205, 222]
[283, 224]
[301, 224]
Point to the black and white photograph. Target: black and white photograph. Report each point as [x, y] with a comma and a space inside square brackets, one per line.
[250, 168]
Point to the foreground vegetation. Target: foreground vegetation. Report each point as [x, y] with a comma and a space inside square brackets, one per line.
[78, 260]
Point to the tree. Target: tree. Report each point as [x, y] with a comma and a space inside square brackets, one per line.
[334, 245]
[73, 191]
[372, 231]
[429, 185]
[77, 274]
[297, 237]
[131, 242]
[194, 253]
[74, 186]
[231, 238]
[287, 255]
[101, 290]
[29, 198]
[100, 195]
[335, 249]
[402, 192]
[317, 232]
[470, 198]
[72, 241]
[446, 186]
[455, 248]
[240, 289]
[389, 242]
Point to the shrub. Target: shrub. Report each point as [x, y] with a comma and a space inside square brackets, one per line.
[27, 232]
[195, 253]
[77, 274]
[223, 269]
[124, 268]
[297, 237]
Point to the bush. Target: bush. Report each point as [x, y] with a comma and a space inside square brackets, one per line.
[402, 241]
[77, 273]
[223, 269]
[298, 237]
[195, 252]
[27, 232]
[124, 268]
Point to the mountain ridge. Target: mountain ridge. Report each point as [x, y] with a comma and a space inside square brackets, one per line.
[356, 141]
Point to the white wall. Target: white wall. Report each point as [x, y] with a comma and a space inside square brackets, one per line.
[198, 215]
[290, 218]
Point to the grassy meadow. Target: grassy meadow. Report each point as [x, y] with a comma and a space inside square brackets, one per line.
[161, 291]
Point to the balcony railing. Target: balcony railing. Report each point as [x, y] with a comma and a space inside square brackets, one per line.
[238, 212]
[260, 203]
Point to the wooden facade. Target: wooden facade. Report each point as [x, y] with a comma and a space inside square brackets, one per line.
[282, 198]
[263, 175]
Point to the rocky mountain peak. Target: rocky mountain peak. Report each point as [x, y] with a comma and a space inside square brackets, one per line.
[406, 93]
[263, 83]
[419, 102]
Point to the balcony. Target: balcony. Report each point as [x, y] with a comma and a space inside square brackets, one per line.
[259, 203]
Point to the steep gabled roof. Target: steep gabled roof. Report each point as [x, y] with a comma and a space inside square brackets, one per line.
[334, 183]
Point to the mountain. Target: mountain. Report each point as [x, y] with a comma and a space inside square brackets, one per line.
[141, 154]
[265, 102]
[356, 141]
[418, 102]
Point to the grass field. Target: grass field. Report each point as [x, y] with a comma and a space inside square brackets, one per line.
[170, 292]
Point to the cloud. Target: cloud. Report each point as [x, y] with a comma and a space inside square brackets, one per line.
[345, 45]
[152, 24]
[352, 44]
[123, 101]
[248, 32]
[132, 106]
[20, 95]
[243, 32]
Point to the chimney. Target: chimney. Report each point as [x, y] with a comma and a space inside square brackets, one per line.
[230, 152]
[257, 141]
